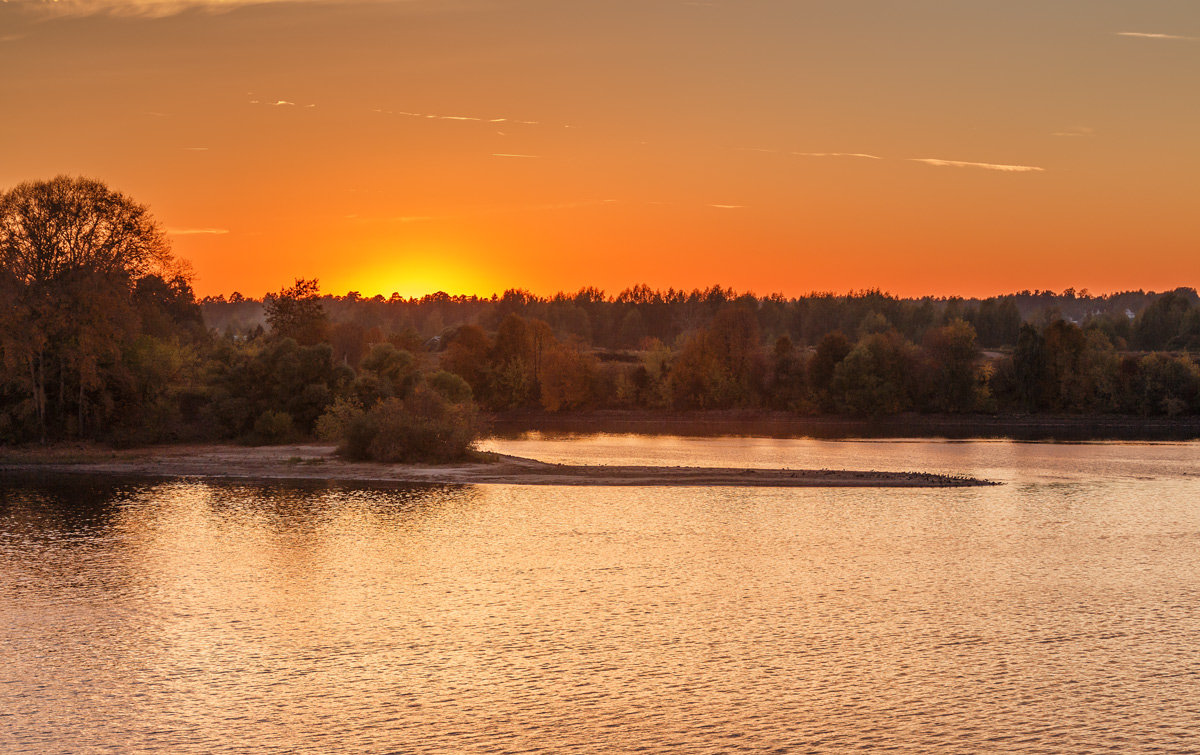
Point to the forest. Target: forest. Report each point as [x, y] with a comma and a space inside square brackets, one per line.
[102, 338]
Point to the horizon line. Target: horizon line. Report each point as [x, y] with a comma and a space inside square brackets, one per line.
[607, 296]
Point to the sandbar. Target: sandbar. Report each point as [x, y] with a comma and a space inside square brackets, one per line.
[320, 462]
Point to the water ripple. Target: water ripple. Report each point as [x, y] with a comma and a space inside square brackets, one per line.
[1055, 614]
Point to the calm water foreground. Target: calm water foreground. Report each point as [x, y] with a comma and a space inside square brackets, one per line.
[1059, 612]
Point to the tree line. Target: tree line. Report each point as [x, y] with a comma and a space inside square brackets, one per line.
[1056, 367]
[102, 337]
[1133, 320]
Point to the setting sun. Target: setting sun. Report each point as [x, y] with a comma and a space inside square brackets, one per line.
[411, 270]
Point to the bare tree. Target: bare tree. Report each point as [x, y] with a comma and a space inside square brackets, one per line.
[50, 228]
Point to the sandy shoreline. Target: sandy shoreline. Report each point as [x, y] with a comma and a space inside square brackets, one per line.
[318, 462]
[711, 423]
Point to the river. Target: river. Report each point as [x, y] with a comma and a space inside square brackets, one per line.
[1057, 612]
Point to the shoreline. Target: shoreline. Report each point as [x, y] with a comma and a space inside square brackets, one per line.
[311, 462]
[773, 424]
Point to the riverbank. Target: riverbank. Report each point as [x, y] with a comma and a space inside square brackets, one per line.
[318, 462]
[785, 425]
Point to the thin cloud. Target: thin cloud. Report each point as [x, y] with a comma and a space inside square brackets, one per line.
[197, 231]
[470, 118]
[1151, 35]
[862, 155]
[195, 149]
[280, 103]
[157, 8]
[728, 206]
[984, 166]
[509, 154]
[1076, 131]
[837, 154]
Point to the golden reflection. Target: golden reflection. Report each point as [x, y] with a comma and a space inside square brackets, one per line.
[187, 617]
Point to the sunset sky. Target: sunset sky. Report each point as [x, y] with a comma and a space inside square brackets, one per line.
[919, 146]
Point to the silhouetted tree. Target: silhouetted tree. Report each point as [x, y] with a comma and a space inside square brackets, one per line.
[390, 371]
[1029, 369]
[74, 257]
[468, 355]
[877, 376]
[64, 225]
[1163, 324]
[296, 312]
[1166, 385]
[569, 377]
[788, 383]
[955, 382]
[832, 349]
[723, 365]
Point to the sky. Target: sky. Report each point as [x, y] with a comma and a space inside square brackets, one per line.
[923, 147]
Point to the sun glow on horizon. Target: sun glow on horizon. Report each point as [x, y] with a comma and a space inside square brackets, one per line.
[412, 271]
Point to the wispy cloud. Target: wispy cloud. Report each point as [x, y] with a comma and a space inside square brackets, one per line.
[927, 160]
[985, 166]
[728, 206]
[836, 154]
[195, 149]
[279, 103]
[810, 154]
[156, 8]
[469, 118]
[1151, 35]
[197, 231]
[508, 154]
[1076, 131]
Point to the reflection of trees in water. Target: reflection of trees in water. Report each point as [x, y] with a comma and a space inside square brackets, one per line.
[305, 504]
[279, 554]
[76, 509]
[290, 529]
[67, 509]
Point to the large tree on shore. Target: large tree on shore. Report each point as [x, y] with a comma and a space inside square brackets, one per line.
[49, 229]
[71, 253]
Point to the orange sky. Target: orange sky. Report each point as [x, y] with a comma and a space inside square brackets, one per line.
[923, 147]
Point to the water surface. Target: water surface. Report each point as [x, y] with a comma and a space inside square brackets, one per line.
[1055, 613]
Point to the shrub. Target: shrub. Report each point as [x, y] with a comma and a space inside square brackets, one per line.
[424, 428]
[334, 424]
[452, 387]
[273, 427]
